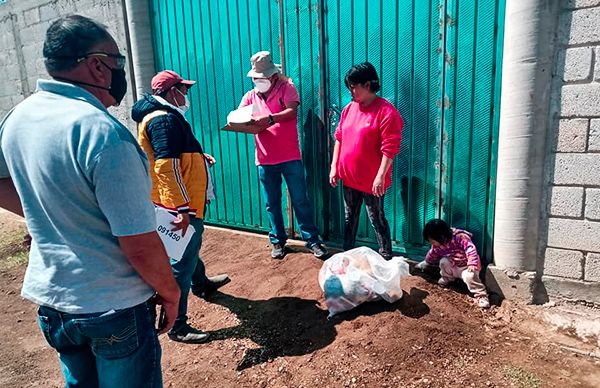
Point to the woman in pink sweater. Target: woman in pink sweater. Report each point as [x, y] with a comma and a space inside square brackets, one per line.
[367, 140]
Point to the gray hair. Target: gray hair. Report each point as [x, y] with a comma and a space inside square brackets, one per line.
[69, 38]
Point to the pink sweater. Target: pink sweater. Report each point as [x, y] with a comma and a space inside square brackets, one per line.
[460, 250]
[365, 135]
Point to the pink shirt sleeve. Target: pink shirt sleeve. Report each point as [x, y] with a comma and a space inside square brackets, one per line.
[290, 94]
[470, 250]
[338, 131]
[246, 100]
[433, 257]
[338, 134]
[391, 132]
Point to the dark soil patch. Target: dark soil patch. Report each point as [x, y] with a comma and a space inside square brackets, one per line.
[269, 328]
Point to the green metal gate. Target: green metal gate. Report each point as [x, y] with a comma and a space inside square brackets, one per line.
[437, 61]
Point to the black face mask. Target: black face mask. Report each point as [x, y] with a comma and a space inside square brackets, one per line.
[118, 83]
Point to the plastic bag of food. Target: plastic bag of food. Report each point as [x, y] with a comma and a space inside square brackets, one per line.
[360, 275]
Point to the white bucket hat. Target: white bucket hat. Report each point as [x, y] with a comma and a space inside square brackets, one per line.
[262, 65]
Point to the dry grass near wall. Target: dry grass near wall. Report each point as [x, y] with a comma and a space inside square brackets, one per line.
[13, 250]
[522, 378]
[15, 260]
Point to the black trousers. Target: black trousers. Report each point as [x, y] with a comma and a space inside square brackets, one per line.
[353, 200]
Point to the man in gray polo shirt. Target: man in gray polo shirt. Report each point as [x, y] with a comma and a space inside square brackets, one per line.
[96, 260]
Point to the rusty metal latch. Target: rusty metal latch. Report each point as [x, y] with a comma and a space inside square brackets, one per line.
[447, 103]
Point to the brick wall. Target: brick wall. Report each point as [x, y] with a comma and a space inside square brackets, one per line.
[573, 240]
[23, 24]
[12, 89]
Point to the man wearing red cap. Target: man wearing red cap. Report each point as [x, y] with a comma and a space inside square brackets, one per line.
[180, 183]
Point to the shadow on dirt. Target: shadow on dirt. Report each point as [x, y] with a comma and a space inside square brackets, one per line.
[281, 326]
[411, 305]
[291, 326]
[432, 275]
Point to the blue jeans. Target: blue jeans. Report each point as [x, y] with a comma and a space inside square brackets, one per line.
[189, 271]
[112, 350]
[270, 179]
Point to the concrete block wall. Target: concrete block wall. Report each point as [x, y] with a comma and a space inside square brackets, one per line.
[11, 90]
[571, 258]
[23, 24]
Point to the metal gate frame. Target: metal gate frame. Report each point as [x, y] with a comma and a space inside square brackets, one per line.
[307, 23]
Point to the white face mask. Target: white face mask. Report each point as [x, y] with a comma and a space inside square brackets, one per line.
[262, 85]
[186, 105]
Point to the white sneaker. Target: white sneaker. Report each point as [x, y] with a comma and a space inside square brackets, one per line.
[444, 281]
[483, 302]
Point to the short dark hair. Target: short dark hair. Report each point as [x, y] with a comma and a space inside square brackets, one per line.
[437, 230]
[361, 74]
[70, 37]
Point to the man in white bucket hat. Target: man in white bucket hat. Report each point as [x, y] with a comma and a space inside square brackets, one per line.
[278, 152]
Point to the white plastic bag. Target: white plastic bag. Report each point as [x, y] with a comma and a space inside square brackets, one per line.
[242, 115]
[173, 240]
[360, 275]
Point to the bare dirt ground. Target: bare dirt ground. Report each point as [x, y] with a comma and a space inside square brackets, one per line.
[269, 328]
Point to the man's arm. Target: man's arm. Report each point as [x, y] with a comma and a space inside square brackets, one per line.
[289, 113]
[120, 180]
[148, 257]
[166, 138]
[9, 199]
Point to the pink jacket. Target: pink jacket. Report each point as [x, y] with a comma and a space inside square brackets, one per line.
[460, 250]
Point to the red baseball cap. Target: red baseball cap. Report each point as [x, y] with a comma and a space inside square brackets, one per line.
[166, 79]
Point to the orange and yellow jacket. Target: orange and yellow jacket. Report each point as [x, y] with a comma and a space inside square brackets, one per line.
[177, 165]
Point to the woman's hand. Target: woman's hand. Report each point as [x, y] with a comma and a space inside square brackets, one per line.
[333, 177]
[378, 186]
[472, 268]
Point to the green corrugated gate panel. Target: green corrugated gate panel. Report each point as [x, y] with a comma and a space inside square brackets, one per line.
[212, 42]
[301, 40]
[469, 126]
[437, 62]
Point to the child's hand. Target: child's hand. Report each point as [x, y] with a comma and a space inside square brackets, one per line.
[472, 268]
[421, 266]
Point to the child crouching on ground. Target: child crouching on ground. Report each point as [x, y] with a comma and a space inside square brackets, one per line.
[453, 250]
